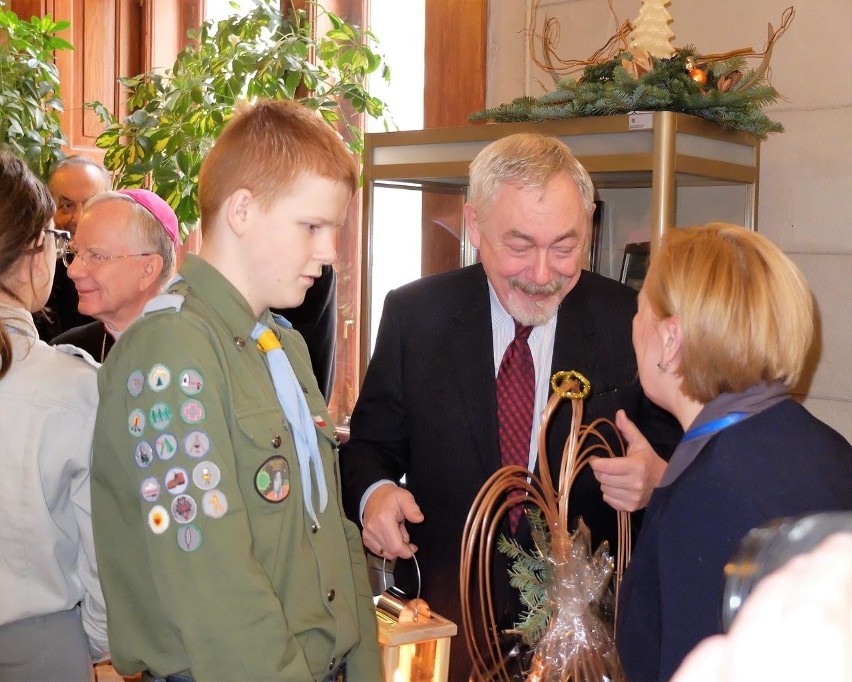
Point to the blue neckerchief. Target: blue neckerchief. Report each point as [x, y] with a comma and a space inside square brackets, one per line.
[714, 426]
[295, 406]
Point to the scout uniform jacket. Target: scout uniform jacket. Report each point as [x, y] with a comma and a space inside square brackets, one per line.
[211, 564]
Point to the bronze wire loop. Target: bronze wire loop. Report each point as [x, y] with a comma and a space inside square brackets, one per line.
[493, 502]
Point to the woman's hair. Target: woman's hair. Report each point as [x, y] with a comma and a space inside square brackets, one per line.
[746, 311]
[264, 148]
[147, 230]
[528, 160]
[26, 208]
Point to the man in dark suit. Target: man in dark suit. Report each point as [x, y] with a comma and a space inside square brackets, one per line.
[72, 182]
[428, 407]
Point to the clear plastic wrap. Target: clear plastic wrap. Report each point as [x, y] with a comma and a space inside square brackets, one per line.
[577, 644]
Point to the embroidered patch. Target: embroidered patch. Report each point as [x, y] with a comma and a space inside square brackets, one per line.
[192, 412]
[214, 503]
[143, 454]
[196, 444]
[166, 446]
[150, 489]
[159, 378]
[158, 519]
[272, 479]
[190, 381]
[206, 475]
[160, 415]
[176, 480]
[136, 383]
[136, 422]
[189, 537]
[184, 508]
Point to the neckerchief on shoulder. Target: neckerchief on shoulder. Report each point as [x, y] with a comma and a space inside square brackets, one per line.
[295, 405]
[751, 401]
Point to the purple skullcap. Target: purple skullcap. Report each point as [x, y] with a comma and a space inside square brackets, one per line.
[159, 208]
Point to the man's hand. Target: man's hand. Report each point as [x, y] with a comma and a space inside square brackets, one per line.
[385, 513]
[627, 482]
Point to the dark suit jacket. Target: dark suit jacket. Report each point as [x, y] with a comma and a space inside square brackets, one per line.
[427, 410]
[61, 309]
[90, 337]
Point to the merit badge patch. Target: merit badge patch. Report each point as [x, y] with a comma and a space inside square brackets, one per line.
[190, 381]
[160, 415]
[189, 537]
[206, 475]
[158, 519]
[143, 454]
[193, 412]
[177, 480]
[214, 503]
[159, 378]
[136, 422]
[272, 479]
[136, 383]
[166, 446]
[150, 489]
[184, 508]
[196, 444]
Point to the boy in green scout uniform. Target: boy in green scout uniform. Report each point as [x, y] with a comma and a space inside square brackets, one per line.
[224, 551]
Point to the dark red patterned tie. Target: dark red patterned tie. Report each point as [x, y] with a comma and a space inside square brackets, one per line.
[515, 400]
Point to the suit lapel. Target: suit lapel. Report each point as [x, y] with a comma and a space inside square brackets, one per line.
[471, 351]
[574, 346]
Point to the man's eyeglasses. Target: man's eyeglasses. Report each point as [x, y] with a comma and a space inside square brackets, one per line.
[91, 259]
[61, 239]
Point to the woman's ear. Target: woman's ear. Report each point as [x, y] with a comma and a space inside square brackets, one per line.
[671, 335]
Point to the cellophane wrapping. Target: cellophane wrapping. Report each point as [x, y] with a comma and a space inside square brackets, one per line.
[577, 645]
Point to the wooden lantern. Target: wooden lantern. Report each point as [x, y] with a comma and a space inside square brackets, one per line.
[415, 643]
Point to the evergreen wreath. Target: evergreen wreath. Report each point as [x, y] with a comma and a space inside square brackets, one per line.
[719, 88]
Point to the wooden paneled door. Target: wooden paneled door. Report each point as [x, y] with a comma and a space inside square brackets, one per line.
[111, 39]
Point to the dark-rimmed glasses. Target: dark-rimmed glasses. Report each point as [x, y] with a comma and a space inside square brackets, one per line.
[61, 239]
[91, 259]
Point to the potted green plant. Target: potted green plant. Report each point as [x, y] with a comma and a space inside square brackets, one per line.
[266, 53]
[29, 89]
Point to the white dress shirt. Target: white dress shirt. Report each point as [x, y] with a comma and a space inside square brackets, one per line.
[48, 403]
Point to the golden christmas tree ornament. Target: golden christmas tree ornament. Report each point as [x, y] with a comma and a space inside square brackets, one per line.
[651, 30]
[699, 75]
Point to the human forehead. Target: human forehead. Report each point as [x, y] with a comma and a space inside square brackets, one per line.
[77, 182]
[104, 223]
[548, 214]
[313, 195]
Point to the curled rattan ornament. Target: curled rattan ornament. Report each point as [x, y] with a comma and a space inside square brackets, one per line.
[576, 645]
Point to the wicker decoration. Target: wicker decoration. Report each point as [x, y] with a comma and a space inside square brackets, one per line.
[580, 657]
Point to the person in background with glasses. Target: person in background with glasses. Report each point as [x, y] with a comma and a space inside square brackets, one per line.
[72, 182]
[121, 256]
[52, 613]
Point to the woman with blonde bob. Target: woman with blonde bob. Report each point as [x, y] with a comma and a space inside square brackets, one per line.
[724, 324]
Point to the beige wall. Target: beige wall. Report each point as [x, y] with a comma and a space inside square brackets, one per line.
[806, 173]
